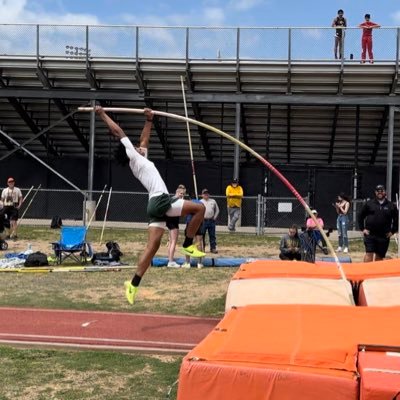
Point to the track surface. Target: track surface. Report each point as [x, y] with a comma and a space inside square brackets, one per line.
[102, 330]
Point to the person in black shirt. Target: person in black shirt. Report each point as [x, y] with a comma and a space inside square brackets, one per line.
[340, 23]
[378, 220]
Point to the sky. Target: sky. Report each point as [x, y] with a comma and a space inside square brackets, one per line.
[312, 44]
[235, 13]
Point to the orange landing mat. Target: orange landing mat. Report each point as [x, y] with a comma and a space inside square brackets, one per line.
[279, 352]
[380, 375]
[355, 272]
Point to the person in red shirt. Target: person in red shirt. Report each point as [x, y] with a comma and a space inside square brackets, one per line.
[366, 40]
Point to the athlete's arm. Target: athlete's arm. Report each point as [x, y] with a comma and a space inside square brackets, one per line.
[115, 129]
[145, 135]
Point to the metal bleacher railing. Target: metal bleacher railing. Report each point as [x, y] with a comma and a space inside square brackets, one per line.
[128, 209]
[192, 43]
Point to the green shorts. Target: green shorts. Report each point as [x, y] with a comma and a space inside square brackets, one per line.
[157, 208]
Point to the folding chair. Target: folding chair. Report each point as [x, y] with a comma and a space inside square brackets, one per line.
[308, 246]
[72, 244]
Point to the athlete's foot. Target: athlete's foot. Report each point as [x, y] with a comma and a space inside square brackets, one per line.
[192, 251]
[130, 292]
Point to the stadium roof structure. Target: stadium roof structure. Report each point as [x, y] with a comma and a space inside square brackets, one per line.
[296, 112]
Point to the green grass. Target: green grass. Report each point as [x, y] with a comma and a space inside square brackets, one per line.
[33, 374]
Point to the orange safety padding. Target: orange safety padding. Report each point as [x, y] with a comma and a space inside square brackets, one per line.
[306, 340]
[380, 375]
[355, 272]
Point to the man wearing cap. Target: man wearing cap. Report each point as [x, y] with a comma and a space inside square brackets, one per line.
[210, 216]
[234, 195]
[378, 220]
[11, 197]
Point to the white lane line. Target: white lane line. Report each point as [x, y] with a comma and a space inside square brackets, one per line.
[97, 313]
[95, 346]
[86, 324]
[87, 339]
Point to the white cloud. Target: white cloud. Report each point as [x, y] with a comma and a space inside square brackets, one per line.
[396, 17]
[242, 5]
[214, 16]
[312, 33]
[17, 11]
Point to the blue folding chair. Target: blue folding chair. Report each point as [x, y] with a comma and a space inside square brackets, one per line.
[72, 244]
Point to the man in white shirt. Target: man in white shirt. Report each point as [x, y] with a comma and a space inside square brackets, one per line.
[210, 216]
[12, 198]
[160, 204]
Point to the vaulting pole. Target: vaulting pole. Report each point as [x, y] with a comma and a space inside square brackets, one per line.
[251, 151]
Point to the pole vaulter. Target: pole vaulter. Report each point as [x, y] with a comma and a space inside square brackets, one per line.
[251, 151]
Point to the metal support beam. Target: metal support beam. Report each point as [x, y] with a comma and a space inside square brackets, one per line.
[379, 135]
[341, 76]
[43, 163]
[289, 72]
[238, 81]
[389, 163]
[249, 98]
[244, 130]
[357, 138]
[333, 134]
[396, 68]
[236, 151]
[43, 77]
[289, 133]
[31, 124]
[160, 133]
[91, 151]
[202, 132]
[268, 135]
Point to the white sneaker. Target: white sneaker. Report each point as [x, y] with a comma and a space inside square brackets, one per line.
[339, 249]
[200, 265]
[345, 250]
[186, 265]
[173, 264]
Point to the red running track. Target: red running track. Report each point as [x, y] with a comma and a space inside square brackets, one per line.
[103, 330]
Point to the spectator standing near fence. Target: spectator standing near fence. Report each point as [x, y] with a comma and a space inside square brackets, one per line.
[198, 239]
[12, 199]
[160, 205]
[342, 206]
[234, 196]
[210, 216]
[173, 229]
[339, 23]
[366, 39]
[290, 245]
[378, 220]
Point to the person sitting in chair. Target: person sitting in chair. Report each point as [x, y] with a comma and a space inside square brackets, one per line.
[312, 228]
[290, 245]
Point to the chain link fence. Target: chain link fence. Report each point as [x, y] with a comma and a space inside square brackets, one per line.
[194, 43]
[128, 209]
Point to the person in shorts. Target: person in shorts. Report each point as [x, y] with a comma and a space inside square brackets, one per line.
[12, 199]
[378, 220]
[160, 205]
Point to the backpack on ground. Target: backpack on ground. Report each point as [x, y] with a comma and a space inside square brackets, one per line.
[37, 259]
[114, 250]
[112, 255]
[56, 222]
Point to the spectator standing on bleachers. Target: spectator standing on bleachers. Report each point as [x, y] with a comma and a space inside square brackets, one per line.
[339, 23]
[290, 245]
[366, 39]
[234, 196]
[12, 199]
[342, 206]
[173, 229]
[210, 216]
[378, 220]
